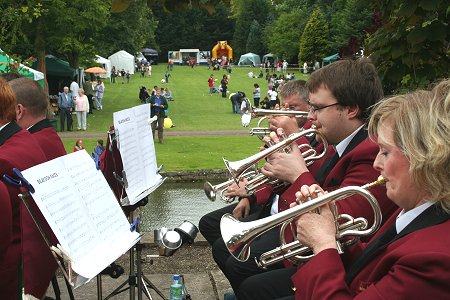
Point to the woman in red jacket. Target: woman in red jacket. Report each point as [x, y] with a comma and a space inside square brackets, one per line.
[409, 257]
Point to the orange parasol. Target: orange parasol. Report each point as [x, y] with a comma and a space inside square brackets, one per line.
[95, 70]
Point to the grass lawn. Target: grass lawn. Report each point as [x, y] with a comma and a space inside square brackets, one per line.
[193, 109]
[192, 153]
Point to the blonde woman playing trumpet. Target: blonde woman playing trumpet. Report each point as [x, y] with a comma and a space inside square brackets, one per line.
[409, 256]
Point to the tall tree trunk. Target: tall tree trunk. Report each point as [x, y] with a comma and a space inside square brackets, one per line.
[40, 48]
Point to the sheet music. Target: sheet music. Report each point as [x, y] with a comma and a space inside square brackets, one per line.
[137, 150]
[82, 211]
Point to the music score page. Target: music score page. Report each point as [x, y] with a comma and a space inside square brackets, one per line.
[82, 211]
[136, 147]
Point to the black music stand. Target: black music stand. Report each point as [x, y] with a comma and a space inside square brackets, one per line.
[135, 278]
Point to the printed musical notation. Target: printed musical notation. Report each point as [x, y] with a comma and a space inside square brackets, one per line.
[82, 211]
[137, 151]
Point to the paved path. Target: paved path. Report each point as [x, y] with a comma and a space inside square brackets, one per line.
[97, 135]
[208, 284]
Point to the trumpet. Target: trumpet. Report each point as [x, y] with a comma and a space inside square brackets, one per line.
[248, 112]
[212, 191]
[239, 235]
[237, 168]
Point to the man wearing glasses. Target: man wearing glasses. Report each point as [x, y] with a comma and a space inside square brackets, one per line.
[340, 97]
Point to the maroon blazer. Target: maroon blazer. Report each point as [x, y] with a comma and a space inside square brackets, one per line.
[46, 136]
[39, 264]
[354, 168]
[5, 221]
[18, 150]
[415, 265]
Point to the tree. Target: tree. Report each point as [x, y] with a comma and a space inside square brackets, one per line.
[193, 28]
[314, 40]
[251, 10]
[411, 48]
[349, 25]
[285, 32]
[131, 30]
[254, 41]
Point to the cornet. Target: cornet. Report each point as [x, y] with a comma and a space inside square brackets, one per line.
[237, 168]
[248, 112]
[212, 191]
[239, 235]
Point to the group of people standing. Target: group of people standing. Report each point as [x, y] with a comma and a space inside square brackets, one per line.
[79, 100]
[404, 138]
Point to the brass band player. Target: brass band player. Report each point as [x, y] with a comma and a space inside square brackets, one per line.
[338, 110]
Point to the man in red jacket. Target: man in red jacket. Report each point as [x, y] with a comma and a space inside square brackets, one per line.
[341, 95]
[18, 150]
[294, 96]
[31, 114]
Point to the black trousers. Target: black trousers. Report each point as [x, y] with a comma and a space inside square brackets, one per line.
[237, 271]
[275, 284]
[65, 113]
[91, 103]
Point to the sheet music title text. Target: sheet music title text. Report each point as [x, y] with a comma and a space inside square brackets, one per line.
[47, 178]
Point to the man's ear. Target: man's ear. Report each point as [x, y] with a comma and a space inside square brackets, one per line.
[353, 111]
[19, 111]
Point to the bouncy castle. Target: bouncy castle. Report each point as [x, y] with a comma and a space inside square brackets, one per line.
[222, 49]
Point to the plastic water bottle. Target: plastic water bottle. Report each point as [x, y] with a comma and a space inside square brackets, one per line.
[176, 288]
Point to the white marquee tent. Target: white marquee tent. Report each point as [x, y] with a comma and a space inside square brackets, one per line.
[122, 60]
[106, 64]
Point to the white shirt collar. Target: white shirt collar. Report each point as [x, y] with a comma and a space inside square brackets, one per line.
[404, 218]
[1, 128]
[340, 148]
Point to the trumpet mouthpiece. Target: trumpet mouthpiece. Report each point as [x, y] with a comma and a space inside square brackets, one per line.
[380, 181]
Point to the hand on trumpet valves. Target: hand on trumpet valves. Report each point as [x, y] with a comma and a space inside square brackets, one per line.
[288, 123]
[286, 167]
[237, 189]
[318, 231]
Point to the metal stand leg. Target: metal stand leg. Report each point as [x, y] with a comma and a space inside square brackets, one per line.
[136, 279]
[99, 286]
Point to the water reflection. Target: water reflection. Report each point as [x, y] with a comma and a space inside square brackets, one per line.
[172, 203]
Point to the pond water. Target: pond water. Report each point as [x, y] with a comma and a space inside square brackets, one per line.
[172, 203]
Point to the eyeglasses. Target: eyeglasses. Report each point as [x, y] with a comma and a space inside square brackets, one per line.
[314, 109]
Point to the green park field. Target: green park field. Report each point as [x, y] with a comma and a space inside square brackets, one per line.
[192, 110]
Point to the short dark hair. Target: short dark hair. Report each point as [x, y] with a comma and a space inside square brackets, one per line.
[31, 95]
[352, 82]
[11, 76]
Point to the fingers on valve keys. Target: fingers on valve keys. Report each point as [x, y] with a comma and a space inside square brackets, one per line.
[307, 193]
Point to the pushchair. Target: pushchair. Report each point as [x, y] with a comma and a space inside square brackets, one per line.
[143, 94]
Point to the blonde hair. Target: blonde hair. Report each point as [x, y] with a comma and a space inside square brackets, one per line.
[421, 125]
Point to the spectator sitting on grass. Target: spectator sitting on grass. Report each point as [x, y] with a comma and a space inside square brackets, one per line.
[168, 94]
[78, 146]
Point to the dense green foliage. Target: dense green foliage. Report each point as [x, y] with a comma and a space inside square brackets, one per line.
[192, 28]
[254, 41]
[251, 10]
[313, 43]
[411, 49]
[408, 40]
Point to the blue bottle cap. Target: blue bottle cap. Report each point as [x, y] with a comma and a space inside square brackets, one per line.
[176, 277]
